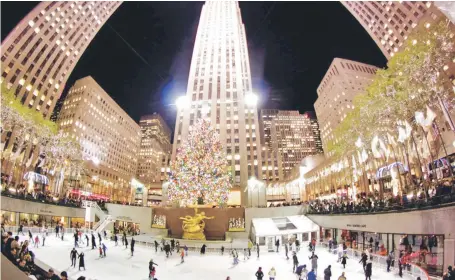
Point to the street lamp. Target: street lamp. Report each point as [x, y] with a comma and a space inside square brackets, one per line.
[251, 99]
[182, 102]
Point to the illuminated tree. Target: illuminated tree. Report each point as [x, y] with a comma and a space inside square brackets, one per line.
[200, 174]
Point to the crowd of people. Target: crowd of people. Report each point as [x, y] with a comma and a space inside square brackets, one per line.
[281, 204]
[438, 194]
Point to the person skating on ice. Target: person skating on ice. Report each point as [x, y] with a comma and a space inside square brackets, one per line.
[203, 249]
[116, 239]
[182, 255]
[314, 262]
[57, 229]
[343, 260]
[186, 250]
[286, 250]
[167, 249]
[272, 273]
[257, 249]
[328, 273]
[172, 244]
[277, 245]
[100, 249]
[259, 274]
[99, 237]
[156, 246]
[21, 229]
[81, 261]
[342, 277]
[295, 262]
[368, 270]
[104, 249]
[126, 243]
[93, 242]
[132, 245]
[30, 236]
[73, 257]
[245, 254]
[152, 269]
[105, 234]
[363, 260]
[76, 240]
[87, 239]
[222, 250]
[36, 241]
[43, 237]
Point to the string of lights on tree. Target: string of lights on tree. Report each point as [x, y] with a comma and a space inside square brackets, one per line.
[200, 169]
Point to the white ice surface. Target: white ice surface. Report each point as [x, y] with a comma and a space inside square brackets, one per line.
[118, 263]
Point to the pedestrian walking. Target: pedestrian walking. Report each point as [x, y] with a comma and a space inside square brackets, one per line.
[81, 261]
[272, 273]
[73, 257]
[368, 271]
[295, 261]
[343, 260]
[259, 274]
[328, 273]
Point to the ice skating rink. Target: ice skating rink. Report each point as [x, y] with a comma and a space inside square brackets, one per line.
[118, 263]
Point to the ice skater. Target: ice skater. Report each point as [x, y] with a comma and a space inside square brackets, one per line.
[295, 261]
[76, 240]
[100, 249]
[105, 234]
[328, 273]
[152, 270]
[126, 243]
[245, 254]
[99, 237]
[343, 260]
[156, 246]
[186, 250]
[172, 244]
[203, 249]
[57, 230]
[44, 239]
[167, 249]
[277, 245]
[314, 262]
[21, 229]
[93, 242]
[272, 273]
[36, 241]
[104, 249]
[182, 256]
[30, 236]
[132, 245]
[235, 257]
[363, 260]
[222, 250]
[81, 261]
[116, 239]
[368, 270]
[87, 239]
[73, 257]
[259, 274]
[257, 249]
[286, 250]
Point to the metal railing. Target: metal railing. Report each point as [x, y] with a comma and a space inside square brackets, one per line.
[40, 230]
[410, 270]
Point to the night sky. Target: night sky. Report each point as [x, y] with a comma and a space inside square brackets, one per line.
[291, 45]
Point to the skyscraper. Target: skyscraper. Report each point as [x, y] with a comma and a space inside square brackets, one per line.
[288, 137]
[155, 152]
[40, 53]
[109, 138]
[389, 23]
[219, 88]
[343, 81]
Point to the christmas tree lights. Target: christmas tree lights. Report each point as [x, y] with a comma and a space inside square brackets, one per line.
[200, 170]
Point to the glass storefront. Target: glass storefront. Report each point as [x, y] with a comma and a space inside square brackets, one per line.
[8, 218]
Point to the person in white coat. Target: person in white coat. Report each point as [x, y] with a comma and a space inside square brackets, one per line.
[272, 273]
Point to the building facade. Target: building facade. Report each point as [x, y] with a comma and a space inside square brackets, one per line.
[288, 137]
[219, 80]
[40, 53]
[343, 81]
[154, 155]
[109, 138]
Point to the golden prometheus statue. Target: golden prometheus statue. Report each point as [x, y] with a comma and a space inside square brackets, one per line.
[193, 227]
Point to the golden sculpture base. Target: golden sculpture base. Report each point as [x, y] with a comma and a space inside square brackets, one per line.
[193, 235]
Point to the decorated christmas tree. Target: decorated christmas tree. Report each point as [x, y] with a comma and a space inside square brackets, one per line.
[199, 174]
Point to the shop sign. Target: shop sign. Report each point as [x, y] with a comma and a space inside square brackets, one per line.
[45, 211]
[124, 218]
[356, 226]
